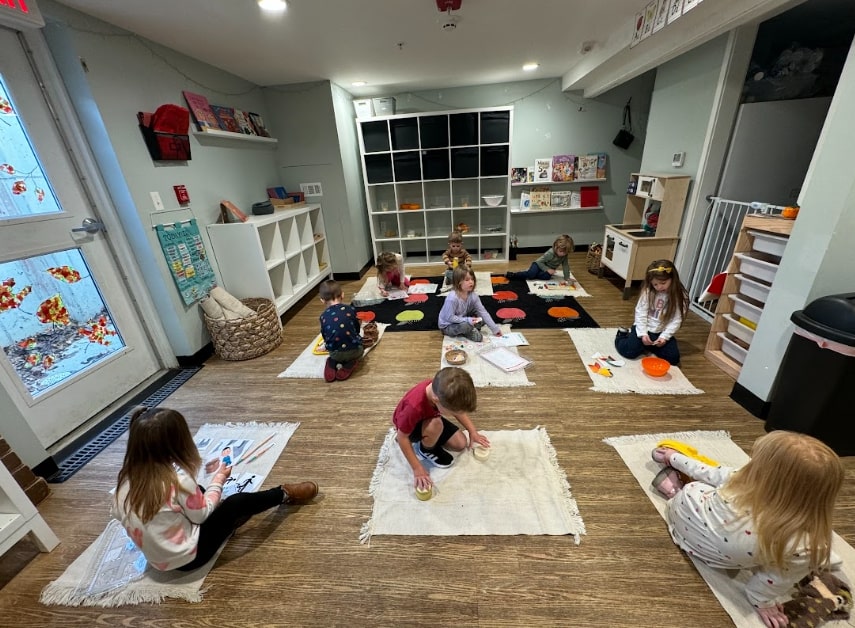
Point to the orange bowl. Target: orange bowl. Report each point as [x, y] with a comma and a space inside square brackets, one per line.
[655, 367]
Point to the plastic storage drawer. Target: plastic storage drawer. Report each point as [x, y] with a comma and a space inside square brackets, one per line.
[745, 309]
[732, 348]
[752, 288]
[759, 265]
[768, 243]
[738, 330]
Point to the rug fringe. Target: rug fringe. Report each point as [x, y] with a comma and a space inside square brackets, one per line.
[570, 504]
[60, 595]
[616, 441]
[648, 391]
[261, 424]
[382, 460]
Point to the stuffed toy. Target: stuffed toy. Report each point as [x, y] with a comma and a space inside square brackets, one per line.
[818, 598]
[370, 334]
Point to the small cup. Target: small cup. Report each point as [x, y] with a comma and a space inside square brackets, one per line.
[464, 201]
[384, 206]
[480, 453]
[424, 494]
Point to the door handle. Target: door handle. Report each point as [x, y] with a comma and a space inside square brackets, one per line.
[91, 225]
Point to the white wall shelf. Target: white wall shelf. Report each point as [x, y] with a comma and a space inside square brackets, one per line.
[227, 138]
[444, 163]
[549, 210]
[535, 183]
[280, 256]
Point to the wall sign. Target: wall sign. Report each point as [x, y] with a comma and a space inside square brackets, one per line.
[21, 14]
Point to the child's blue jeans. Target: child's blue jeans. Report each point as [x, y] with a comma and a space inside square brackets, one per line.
[631, 347]
[533, 272]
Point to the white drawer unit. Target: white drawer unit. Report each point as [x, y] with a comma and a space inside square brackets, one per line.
[617, 252]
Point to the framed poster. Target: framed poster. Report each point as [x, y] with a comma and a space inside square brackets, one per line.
[187, 259]
[675, 10]
[661, 18]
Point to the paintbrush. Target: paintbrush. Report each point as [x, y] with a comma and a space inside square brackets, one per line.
[255, 449]
[260, 453]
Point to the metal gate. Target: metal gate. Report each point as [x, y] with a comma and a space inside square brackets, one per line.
[723, 222]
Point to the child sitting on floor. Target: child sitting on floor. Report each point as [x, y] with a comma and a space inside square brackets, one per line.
[463, 314]
[545, 266]
[455, 256]
[390, 273]
[340, 330]
[423, 430]
[176, 523]
[772, 516]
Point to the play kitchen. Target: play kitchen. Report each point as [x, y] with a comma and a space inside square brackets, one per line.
[651, 224]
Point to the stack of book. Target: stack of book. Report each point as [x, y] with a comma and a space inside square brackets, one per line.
[210, 117]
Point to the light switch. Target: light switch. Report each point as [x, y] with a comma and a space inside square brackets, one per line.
[156, 201]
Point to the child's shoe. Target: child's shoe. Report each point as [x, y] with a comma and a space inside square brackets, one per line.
[622, 332]
[344, 370]
[330, 370]
[299, 493]
[437, 456]
[474, 336]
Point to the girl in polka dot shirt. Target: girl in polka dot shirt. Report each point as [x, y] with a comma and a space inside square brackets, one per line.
[772, 516]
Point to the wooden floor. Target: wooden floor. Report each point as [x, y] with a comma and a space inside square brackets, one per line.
[305, 566]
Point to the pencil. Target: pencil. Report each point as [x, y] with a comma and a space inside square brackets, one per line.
[260, 453]
[255, 449]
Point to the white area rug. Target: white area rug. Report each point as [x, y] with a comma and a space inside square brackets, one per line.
[519, 489]
[629, 378]
[82, 584]
[483, 285]
[727, 585]
[483, 373]
[551, 289]
[311, 366]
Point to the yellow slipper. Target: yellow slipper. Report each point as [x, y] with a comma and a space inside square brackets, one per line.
[687, 450]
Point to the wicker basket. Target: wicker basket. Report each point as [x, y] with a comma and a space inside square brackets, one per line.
[246, 338]
[592, 260]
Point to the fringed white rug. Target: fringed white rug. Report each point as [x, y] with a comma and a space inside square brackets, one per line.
[553, 289]
[727, 585]
[311, 366]
[483, 373]
[629, 378]
[112, 571]
[519, 489]
[483, 285]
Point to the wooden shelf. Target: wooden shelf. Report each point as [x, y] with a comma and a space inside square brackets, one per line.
[550, 210]
[227, 138]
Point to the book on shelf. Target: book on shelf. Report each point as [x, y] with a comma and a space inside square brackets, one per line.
[519, 175]
[243, 122]
[202, 112]
[563, 168]
[587, 167]
[226, 116]
[560, 198]
[525, 201]
[541, 197]
[258, 123]
[232, 210]
[542, 170]
[601, 165]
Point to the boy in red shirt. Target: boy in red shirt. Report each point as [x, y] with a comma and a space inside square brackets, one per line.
[423, 430]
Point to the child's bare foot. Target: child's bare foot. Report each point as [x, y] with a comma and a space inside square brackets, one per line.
[299, 493]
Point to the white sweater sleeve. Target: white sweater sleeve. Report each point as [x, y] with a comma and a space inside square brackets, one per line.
[641, 313]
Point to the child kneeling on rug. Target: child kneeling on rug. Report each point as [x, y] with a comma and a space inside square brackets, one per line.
[545, 266]
[340, 330]
[175, 523]
[658, 315]
[423, 430]
[772, 516]
[463, 314]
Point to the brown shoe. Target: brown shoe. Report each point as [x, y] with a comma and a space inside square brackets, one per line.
[299, 493]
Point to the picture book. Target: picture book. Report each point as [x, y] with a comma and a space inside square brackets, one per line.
[226, 116]
[563, 168]
[258, 123]
[601, 165]
[541, 198]
[243, 122]
[542, 170]
[560, 198]
[525, 201]
[519, 175]
[277, 192]
[201, 110]
[233, 210]
[587, 167]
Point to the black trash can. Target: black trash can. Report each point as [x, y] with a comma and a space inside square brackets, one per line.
[814, 391]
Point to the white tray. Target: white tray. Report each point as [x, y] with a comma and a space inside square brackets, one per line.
[768, 243]
[752, 288]
[757, 265]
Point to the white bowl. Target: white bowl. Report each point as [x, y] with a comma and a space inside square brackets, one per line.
[493, 201]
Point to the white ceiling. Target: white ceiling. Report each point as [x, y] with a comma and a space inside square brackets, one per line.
[393, 45]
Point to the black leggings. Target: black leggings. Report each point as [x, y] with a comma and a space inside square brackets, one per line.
[232, 513]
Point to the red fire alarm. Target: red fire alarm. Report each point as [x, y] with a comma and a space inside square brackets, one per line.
[181, 194]
[448, 5]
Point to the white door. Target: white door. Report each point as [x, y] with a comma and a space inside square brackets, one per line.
[72, 342]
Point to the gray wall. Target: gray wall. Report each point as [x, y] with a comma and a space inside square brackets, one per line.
[549, 122]
[127, 74]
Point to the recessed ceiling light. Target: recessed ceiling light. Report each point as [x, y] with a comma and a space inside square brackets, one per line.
[272, 5]
[531, 67]
[359, 83]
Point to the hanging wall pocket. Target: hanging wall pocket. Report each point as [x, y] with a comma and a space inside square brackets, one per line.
[625, 137]
[166, 133]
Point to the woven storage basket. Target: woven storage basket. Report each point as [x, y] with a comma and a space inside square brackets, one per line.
[246, 338]
[592, 260]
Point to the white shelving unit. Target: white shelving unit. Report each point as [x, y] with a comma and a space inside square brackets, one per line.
[426, 175]
[19, 517]
[280, 257]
